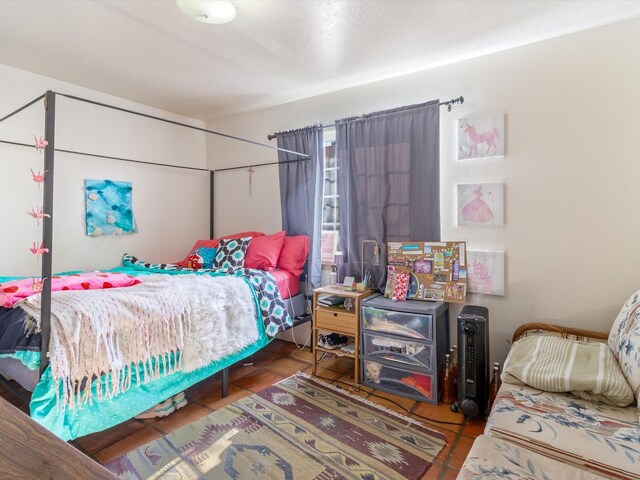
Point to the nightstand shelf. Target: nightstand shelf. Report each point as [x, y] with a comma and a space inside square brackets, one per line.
[336, 351]
[338, 320]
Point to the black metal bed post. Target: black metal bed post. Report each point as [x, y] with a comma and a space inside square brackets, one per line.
[212, 183]
[224, 392]
[47, 228]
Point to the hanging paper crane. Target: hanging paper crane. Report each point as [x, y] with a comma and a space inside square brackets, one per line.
[38, 285]
[250, 171]
[38, 250]
[38, 177]
[41, 143]
[38, 214]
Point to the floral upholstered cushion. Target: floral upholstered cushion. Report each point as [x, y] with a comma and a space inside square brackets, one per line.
[591, 435]
[491, 458]
[624, 340]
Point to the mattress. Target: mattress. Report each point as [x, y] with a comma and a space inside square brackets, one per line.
[13, 337]
[288, 283]
[13, 369]
[20, 357]
[12, 332]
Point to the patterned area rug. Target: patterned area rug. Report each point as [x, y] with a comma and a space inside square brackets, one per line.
[300, 428]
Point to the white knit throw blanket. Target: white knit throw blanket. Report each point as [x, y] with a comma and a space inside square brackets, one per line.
[165, 324]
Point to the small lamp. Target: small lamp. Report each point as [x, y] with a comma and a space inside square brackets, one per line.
[375, 259]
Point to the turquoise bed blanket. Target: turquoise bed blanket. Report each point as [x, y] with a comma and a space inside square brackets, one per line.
[108, 412]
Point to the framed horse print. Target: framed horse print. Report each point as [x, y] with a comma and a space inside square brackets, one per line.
[481, 137]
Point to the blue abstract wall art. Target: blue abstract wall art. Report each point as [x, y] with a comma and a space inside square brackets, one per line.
[109, 208]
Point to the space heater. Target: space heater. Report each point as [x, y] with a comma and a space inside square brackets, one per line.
[473, 360]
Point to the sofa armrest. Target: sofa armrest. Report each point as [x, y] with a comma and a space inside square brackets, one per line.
[578, 332]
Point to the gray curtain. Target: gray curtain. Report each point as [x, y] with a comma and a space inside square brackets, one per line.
[388, 182]
[301, 191]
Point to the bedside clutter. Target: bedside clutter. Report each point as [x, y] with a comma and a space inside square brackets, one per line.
[560, 410]
[403, 346]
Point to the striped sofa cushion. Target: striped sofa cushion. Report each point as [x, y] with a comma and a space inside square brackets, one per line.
[555, 364]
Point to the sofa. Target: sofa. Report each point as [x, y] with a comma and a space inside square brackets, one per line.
[548, 433]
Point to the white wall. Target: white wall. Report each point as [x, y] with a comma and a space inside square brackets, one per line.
[171, 206]
[572, 170]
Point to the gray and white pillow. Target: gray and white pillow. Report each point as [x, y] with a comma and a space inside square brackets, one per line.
[231, 253]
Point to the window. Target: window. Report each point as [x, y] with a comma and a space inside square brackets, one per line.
[330, 245]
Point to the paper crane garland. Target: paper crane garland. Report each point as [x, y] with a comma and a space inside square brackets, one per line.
[38, 250]
[41, 143]
[38, 285]
[250, 171]
[38, 214]
[38, 177]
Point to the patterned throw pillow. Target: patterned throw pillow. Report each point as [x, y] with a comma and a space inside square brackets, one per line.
[201, 257]
[231, 253]
[624, 340]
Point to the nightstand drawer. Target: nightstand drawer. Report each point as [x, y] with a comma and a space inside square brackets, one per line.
[341, 322]
[413, 325]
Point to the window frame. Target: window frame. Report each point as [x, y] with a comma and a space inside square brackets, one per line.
[333, 227]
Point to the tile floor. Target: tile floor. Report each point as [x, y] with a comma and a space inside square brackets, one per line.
[276, 361]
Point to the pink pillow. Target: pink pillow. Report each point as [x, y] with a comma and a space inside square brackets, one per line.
[294, 254]
[213, 243]
[263, 252]
[244, 234]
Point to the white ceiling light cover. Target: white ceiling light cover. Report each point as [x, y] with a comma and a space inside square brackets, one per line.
[208, 11]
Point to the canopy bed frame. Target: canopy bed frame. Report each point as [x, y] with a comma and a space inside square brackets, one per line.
[47, 225]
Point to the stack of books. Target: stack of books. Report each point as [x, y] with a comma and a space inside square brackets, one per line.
[331, 301]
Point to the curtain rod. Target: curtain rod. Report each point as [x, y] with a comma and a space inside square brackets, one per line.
[173, 122]
[261, 165]
[448, 103]
[170, 165]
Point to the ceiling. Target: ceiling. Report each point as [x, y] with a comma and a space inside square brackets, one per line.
[274, 51]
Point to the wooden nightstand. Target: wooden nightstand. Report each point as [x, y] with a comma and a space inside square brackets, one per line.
[338, 320]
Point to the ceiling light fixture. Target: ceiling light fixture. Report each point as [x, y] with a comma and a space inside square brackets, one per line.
[208, 11]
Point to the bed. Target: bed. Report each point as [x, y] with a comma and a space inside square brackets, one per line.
[27, 357]
[274, 299]
[20, 352]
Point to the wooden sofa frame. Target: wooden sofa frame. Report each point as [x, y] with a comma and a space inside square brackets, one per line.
[578, 332]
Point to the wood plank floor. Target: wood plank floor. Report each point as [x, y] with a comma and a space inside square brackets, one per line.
[276, 361]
